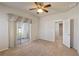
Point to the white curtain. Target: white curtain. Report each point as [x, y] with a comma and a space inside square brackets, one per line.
[12, 19]
[12, 29]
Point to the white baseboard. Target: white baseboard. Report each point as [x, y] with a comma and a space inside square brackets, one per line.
[47, 40]
[3, 49]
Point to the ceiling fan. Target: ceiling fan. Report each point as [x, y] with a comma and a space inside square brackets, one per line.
[40, 7]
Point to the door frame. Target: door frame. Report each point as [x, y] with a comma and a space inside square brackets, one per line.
[58, 21]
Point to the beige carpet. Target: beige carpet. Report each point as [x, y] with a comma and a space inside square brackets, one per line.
[40, 48]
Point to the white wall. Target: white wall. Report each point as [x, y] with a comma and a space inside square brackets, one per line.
[66, 32]
[34, 29]
[4, 10]
[46, 30]
[57, 30]
[47, 25]
[3, 32]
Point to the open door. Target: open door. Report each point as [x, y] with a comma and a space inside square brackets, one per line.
[66, 33]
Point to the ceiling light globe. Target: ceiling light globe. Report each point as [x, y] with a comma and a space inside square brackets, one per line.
[39, 10]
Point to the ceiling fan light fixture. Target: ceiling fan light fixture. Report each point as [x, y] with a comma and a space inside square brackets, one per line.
[40, 7]
[40, 10]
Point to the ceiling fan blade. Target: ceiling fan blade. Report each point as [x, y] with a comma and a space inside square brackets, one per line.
[41, 3]
[32, 9]
[36, 3]
[45, 10]
[48, 5]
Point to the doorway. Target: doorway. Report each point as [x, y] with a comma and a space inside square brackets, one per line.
[59, 32]
[68, 33]
[71, 33]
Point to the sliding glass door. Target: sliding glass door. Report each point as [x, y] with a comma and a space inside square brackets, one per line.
[22, 32]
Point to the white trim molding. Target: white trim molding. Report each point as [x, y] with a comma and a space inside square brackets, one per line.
[3, 49]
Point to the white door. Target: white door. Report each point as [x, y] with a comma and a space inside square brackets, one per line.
[66, 33]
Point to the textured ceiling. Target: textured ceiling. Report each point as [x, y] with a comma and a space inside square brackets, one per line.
[57, 7]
